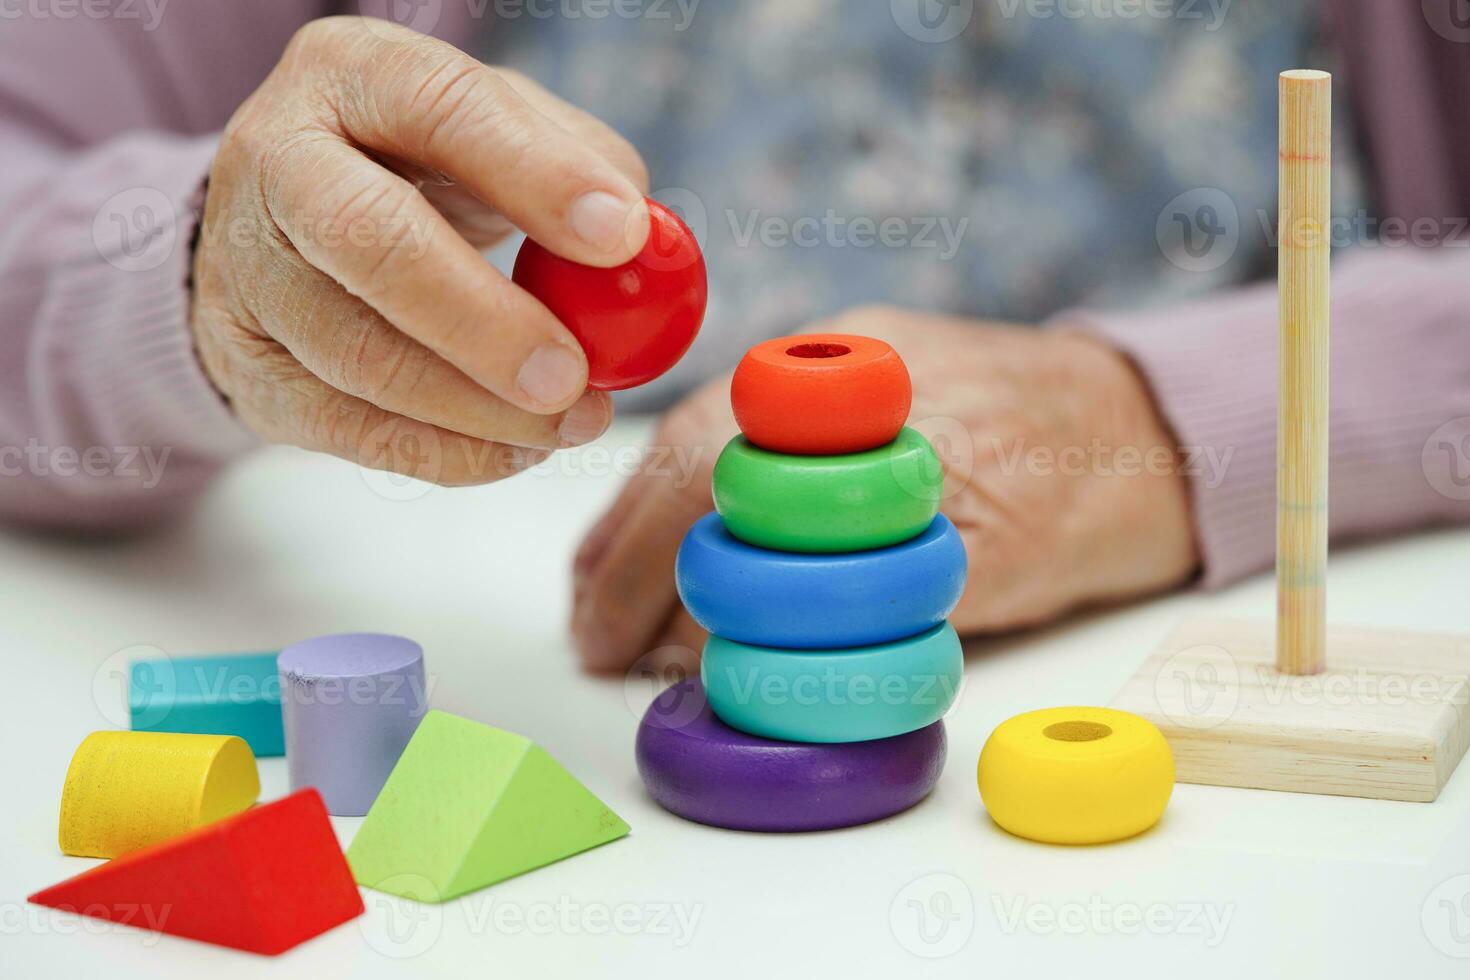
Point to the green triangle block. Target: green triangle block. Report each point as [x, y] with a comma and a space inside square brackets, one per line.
[467, 806]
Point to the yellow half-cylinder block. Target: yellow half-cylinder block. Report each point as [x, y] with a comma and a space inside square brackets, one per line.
[126, 790]
[1076, 775]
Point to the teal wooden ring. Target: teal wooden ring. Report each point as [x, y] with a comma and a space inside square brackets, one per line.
[825, 504]
[850, 695]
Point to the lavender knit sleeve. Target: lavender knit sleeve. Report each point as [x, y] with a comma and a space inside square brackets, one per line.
[106, 419]
[109, 118]
[1400, 389]
[108, 124]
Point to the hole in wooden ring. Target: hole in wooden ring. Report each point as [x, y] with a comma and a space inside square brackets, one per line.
[819, 350]
[1077, 731]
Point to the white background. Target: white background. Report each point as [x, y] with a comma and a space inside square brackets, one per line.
[1231, 883]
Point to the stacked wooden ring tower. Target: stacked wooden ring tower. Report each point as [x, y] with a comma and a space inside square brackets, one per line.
[825, 579]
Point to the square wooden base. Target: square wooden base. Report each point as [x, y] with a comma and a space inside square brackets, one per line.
[1389, 719]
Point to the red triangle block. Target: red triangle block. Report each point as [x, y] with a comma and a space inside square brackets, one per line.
[263, 880]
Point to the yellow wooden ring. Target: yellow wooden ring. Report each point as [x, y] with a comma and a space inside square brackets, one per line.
[1076, 775]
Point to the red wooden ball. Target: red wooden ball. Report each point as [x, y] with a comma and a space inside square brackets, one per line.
[635, 320]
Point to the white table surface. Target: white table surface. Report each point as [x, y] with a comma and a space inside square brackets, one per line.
[1231, 883]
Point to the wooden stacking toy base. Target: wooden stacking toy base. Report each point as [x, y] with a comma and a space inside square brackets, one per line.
[1295, 705]
[1389, 719]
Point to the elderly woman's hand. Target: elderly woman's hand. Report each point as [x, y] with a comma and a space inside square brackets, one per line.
[1060, 476]
[341, 302]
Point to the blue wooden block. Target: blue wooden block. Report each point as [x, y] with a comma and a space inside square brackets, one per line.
[819, 601]
[219, 694]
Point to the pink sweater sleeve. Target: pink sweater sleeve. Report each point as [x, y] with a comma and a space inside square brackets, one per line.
[1400, 410]
[108, 125]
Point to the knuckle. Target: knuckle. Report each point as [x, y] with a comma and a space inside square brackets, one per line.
[228, 351]
[239, 135]
[454, 94]
[333, 423]
[376, 366]
[368, 197]
[519, 145]
[323, 34]
[381, 440]
[606, 141]
[628, 161]
[514, 78]
[253, 147]
[438, 85]
[369, 222]
[279, 162]
[308, 37]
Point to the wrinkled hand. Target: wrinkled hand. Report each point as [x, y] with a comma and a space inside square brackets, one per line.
[341, 302]
[1060, 475]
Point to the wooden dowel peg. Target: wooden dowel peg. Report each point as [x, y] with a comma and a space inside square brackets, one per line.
[1304, 254]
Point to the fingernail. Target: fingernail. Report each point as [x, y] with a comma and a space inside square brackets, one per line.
[583, 422]
[600, 220]
[550, 375]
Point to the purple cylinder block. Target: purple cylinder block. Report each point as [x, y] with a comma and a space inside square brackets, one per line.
[349, 704]
[702, 769]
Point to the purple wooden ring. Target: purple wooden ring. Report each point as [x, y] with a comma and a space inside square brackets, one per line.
[698, 767]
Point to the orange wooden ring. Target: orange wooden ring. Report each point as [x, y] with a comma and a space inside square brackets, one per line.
[821, 394]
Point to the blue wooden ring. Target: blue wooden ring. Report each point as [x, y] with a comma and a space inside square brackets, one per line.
[849, 695]
[819, 601]
[702, 769]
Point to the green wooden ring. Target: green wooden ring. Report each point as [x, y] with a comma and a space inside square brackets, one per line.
[850, 502]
